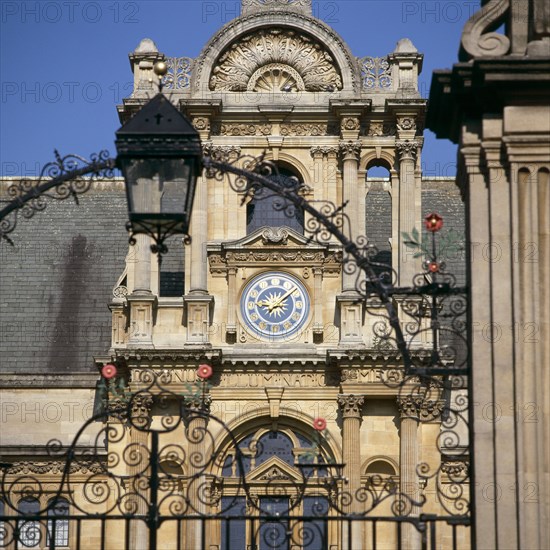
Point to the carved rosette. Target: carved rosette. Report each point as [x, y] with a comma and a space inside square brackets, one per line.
[350, 124]
[351, 405]
[407, 150]
[201, 124]
[275, 60]
[350, 150]
[406, 124]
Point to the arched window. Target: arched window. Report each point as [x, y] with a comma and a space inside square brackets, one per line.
[29, 531]
[270, 457]
[267, 209]
[58, 525]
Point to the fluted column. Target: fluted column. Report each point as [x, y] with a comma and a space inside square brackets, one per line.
[409, 212]
[409, 408]
[350, 151]
[140, 466]
[351, 409]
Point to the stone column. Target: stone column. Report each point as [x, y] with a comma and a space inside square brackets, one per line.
[197, 301]
[139, 444]
[197, 440]
[409, 408]
[351, 409]
[351, 151]
[409, 209]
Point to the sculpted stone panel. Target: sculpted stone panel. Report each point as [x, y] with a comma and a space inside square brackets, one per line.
[275, 60]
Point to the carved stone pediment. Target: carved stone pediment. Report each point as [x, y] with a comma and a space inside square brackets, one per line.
[274, 469]
[274, 246]
[276, 60]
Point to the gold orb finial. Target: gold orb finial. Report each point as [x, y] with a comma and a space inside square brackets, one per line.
[160, 68]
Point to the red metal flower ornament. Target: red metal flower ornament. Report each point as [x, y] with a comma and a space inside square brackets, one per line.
[433, 267]
[204, 372]
[433, 222]
[108, 371]
[320, 424]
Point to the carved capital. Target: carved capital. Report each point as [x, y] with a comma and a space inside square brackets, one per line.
[420, 408]
[222, 153]
[350, 150]
[351, 405]
[407, 150]
[141, 406]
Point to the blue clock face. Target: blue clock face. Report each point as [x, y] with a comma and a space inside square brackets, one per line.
[275, 305]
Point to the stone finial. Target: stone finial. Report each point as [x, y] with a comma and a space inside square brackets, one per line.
[405, 46]
[146, 46]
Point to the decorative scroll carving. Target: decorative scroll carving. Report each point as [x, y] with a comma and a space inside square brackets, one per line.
[304, 129]
[276, 235]
[351, 405]
[375, 73]
[237, 129]
[302, 58]
[178, 76]
[407, 150]
[478, 43]
[350, 150]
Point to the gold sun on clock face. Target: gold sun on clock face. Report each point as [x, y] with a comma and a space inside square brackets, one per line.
[275, 305]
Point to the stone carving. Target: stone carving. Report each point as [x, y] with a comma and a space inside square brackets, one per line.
[320, 151]
[222, 153]
[120, 292]
[276, 235]
[454, 468]
[306, 63]
[274, 473]
[407, 150]
[56, 467]
[251, 5]
[381, 129]
[178, 76]
[350, 124]
[375, 73]
[418, 407]
[276, 77]
[349, 374]
[201, 124]
[406, 123]
[351, 405]
[234, 129]
[304, 129]
[478, 43]
[350, 150]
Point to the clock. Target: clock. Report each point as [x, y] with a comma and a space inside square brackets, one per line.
[275, 305]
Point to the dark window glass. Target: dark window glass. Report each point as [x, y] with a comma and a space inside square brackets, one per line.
[273, 534]
[269, 210]
[29, 531]
[56, 514]
[275, 444]
[314, 533]
[233, 530]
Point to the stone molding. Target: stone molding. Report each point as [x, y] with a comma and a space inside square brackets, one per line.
[351, 405]
[222, 153]
[241, 129]
[319, 151]
[307, 129]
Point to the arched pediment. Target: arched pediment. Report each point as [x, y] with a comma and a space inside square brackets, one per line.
[275, 60]
[272, 50]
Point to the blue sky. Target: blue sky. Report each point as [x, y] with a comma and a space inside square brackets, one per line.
[64, 64]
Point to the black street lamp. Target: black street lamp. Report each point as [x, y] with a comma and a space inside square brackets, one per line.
[160, 156]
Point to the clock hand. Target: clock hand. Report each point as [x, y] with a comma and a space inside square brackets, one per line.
[278, 302]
